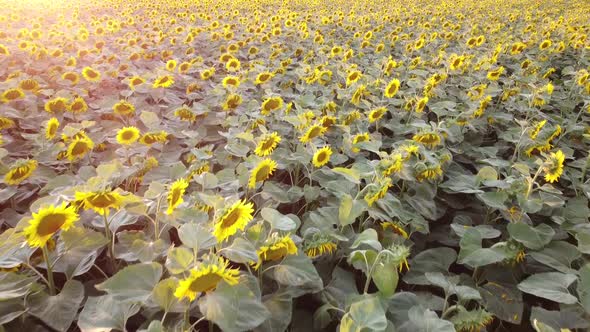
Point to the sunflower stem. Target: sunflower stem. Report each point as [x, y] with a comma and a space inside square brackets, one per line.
[532, 182]
[107, 233]
[49, 270]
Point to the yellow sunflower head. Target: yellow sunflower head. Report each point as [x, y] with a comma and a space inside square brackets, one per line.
[231, 82]
[6, 123]
[376, 114]
[320, 245]
[263, 77]
[91, 75]
[378, 191]
[29, 84]
[20, 171]
[233, 65]
[154, 137]
[163, 81]
[175, 194]
[429, 138]
[205, 278]
[275, 248]
[271, 104]
[361, 137]
[395, 227]
[232, 102]
[312, 132]
[267, 143]
[127, 135]
[322, 156]
[392, 88]
[78, 105]
[47, 221]
[171, 65]
[353, 77]
[261, 172]
[12, 95]
[100, 201]
[51, 128]
[57, 104]
[123, 107]
[553, 166]
[79, 147]
[232, 219]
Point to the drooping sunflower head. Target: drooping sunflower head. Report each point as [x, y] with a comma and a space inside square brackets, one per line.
[428, 172]
[127, 135]
[320, 245]
[322, 156]
[261, 172]
[232, 219]
[123, 107]
[91, 74]
[20, 171]
[267, 143]
[421, 104]
[163, 82]
[395, 227]
[428, 138]
[47, 221]
[312, 132]
[79, 147]
[51, 128]
[378, 191]
[276, 248]
[206, 277]
[494, 75]
[553, 166]
[154, 137]
[393, 164]
[271, 104]
[175, 194]
[12, 95]
[474, 320]
[232, 102]
[100, 201]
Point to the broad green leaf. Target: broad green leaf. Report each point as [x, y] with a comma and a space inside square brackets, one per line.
[472, 254]
[196, 237]
[233, 308]
[280, 306]
[241, 251]
[369, 238]
[385, 277]
[583, 242]
[431, 260]
[14, 285]
[134, 283]
[349, 209]
[297, 270]
[351, 175]
[559, 255]
[58, 311]
[531, 237]
[425, 320]
[163, 294]
[494, 199]
[567, 318]
[104, 313]
[132, 246]
[179, 260]
[278, 220]
[10, 310]
[365, 313]
[551, 286]
[583, 287]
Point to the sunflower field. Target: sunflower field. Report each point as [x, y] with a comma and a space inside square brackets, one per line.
[297, 165]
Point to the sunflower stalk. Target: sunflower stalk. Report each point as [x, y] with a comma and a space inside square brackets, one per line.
[109, 236]
[49, 270]
[532, 182]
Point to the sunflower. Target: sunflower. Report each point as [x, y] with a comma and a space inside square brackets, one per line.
[4, 50]
[376, 114]
[100, 201]
[134, 81]
[233, 218]
[233, 65]
[394, 163]
[231, 81]
[207, 74]
[90, 74]
[276, 248]
[175, 194]
[205, 278]
[79, 147]
[261, 172]
[358, 94]
[312, 132]
[271, 104]
[57, 104]
[456, 62]
[71, 76]
[154, 137]
[263, 77]
[171, 65]
[232, 102]
[494, 75]
[429, 139]
[545, 44]
[78, 105]
[29, 84]
[47, 221]
[421, 104]
[51, 128]
[361, 137]
[392, 88]
[432, 172]
[536, 129]
[378, 191]
[163, 81]
[127, 135]
[267, 144]
[6, 123]
[12, 95]
[319, 247]
[123, 107]
[353, 77]
[395, 227]
[553, 166]
[322, 156]
[20, 171]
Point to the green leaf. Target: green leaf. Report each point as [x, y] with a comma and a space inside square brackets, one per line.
[531, 237]
[583, 287]
[150, 119]
[10, 310]
[365, 313]
[278, 220]
[58, 311]
[134, 283]
[472, 254]
[351, 175]
[241, 251]
[431, 260]
[425, 320]
[385, 277]
[233, 308]
[369, 238]
[132, 246]
[551, 286]
[196, 237]
[104, 313]
[583, 242]
[13, 285]
[179, 260]
[280, 306]
[566, 318]
[163, 294]
[350, 209]
[297, 270]
[559, 255]
[504, 301]
[494, 199]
